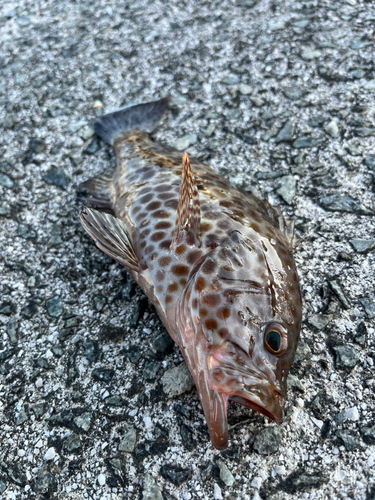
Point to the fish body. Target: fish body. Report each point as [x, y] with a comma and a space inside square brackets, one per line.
[216, 263]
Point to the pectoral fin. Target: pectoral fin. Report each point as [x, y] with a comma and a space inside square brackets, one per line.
[188, 209]
[111, 236]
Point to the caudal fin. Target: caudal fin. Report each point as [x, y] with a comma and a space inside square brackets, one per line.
[143, 117]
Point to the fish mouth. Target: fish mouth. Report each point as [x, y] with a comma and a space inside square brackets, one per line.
[232, 377]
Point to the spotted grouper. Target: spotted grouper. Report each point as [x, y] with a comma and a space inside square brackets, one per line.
[215, 262]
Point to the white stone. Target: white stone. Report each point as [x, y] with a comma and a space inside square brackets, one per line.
[256, 482]
[101, 479]
[217, 492]
[50, 454]
[353, 414]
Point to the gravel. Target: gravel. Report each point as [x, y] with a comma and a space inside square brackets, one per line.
[96, 402]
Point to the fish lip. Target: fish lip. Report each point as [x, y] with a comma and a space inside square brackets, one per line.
[266, 405]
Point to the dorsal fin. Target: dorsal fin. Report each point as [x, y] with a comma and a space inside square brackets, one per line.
[188, 209]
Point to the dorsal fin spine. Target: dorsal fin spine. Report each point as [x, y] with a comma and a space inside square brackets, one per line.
[188, 209]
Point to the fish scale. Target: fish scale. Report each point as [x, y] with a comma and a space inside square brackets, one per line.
[215, 262]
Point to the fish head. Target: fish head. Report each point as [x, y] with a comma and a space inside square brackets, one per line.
[247, 307]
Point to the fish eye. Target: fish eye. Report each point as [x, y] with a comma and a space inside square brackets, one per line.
[275, 339]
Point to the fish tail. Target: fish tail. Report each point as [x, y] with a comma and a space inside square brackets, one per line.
[143, 117]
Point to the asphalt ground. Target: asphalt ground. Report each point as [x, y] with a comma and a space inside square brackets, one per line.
[278, 96]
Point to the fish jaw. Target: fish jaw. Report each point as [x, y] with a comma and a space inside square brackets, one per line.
[231, 373]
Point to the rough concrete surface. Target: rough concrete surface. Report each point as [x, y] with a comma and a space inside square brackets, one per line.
[279, 97]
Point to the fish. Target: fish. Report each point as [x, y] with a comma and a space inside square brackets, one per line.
[216, 263]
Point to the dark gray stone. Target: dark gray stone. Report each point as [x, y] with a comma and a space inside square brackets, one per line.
[150, 490]
[286, 132]
[99, 302]
[54, 307]
[369, 306]
[103, 374]
[93, 147]
[162, 343]
[7, 308]
[346, 356]
[150, 370]
[274, 174]
[115, 401]
[26, 231]
[294, 93]
[11, 329]
[177, 380]
[9, 121]
[319, 321]
[6, 181]
[364, 131]
[362, 245]
[56, 177]
[187, 437]
[304, 481]
[225, 474]
[72, 443]
[348, 439]
[83, 421]
[91, 351]
[174, 474]
[57, 350]
[268, 440]
[2, 486]
[45, 482]
[306, 141]
[368, 434]
[37, 145]
[4, 209]
[287, 188]
[128, 441]
[370, 162]
[336, 288]
[55, 237]
[39, 409]
[134, 353]
[343, 203]
[21, 416]
[303, 351]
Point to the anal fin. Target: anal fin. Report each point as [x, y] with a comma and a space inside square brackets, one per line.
[111, 236]
[188, 209]
[96, 191]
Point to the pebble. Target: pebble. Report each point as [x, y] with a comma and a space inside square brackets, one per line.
[184, 142]
[11, 329]
[286, 132]
[370, 162]
[55, 236]
[103, 374]
[346, 356]
[332, 129]
[50, 454]
[361, 245]
[294, 93]
[54, 307]
[151, 490]
[268, 440]
[57, 177]
[343, 203]
[99, 302]
[319, 321]
[150, 370]
[287, 188]
[306, 141]
[336, 288]
[353, 414]
[83, 421]
[231, 80]
[245, 89]
[370, 85]
[44, 482]
[177, 380]
[348, 439]
[72, 443]
[174, 474]
[276, 26]
[368, 434]
[87, 132]
[162, 344]
[309, 55]
[369, 306]
[6, 181]
[37, 146]
[101, 479]
[225, 474]
[21, 416]
[217, 492]
[128, 441]
[364, 131]
[4, 208]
